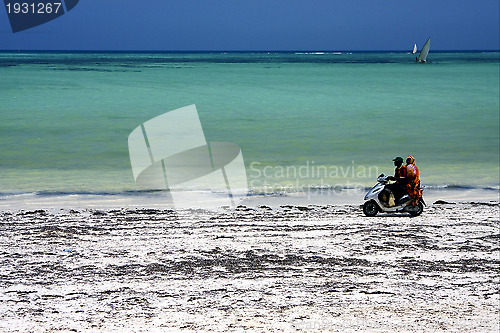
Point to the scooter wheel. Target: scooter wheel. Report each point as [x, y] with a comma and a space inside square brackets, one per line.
[370, 208]
[417, 210]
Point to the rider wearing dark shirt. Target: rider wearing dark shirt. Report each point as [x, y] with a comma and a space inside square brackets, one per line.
[401, 178]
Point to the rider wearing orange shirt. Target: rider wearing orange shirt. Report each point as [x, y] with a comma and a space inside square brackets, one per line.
[413, 185]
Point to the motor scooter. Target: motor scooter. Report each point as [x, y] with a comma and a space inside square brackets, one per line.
[381, 199]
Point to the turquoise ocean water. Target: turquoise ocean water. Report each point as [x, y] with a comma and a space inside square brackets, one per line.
[300, 118]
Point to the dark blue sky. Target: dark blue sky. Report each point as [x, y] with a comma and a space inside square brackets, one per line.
[197, 25]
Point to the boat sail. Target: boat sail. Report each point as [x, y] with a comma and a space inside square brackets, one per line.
[422, 57]
[414, 49]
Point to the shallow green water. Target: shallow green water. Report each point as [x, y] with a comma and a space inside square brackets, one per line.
[65, 118]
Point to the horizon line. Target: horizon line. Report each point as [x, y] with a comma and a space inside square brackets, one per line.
[238, 51]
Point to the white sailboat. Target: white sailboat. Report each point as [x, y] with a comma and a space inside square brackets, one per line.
[414, 49]
[422, 57]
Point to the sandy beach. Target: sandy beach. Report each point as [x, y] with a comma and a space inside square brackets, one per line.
[287, 268]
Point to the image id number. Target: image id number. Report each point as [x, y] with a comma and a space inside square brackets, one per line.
[33, 8]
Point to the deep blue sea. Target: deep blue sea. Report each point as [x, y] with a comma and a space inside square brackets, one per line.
[300, 118]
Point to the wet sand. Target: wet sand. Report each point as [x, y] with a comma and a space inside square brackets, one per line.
[259, 269]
